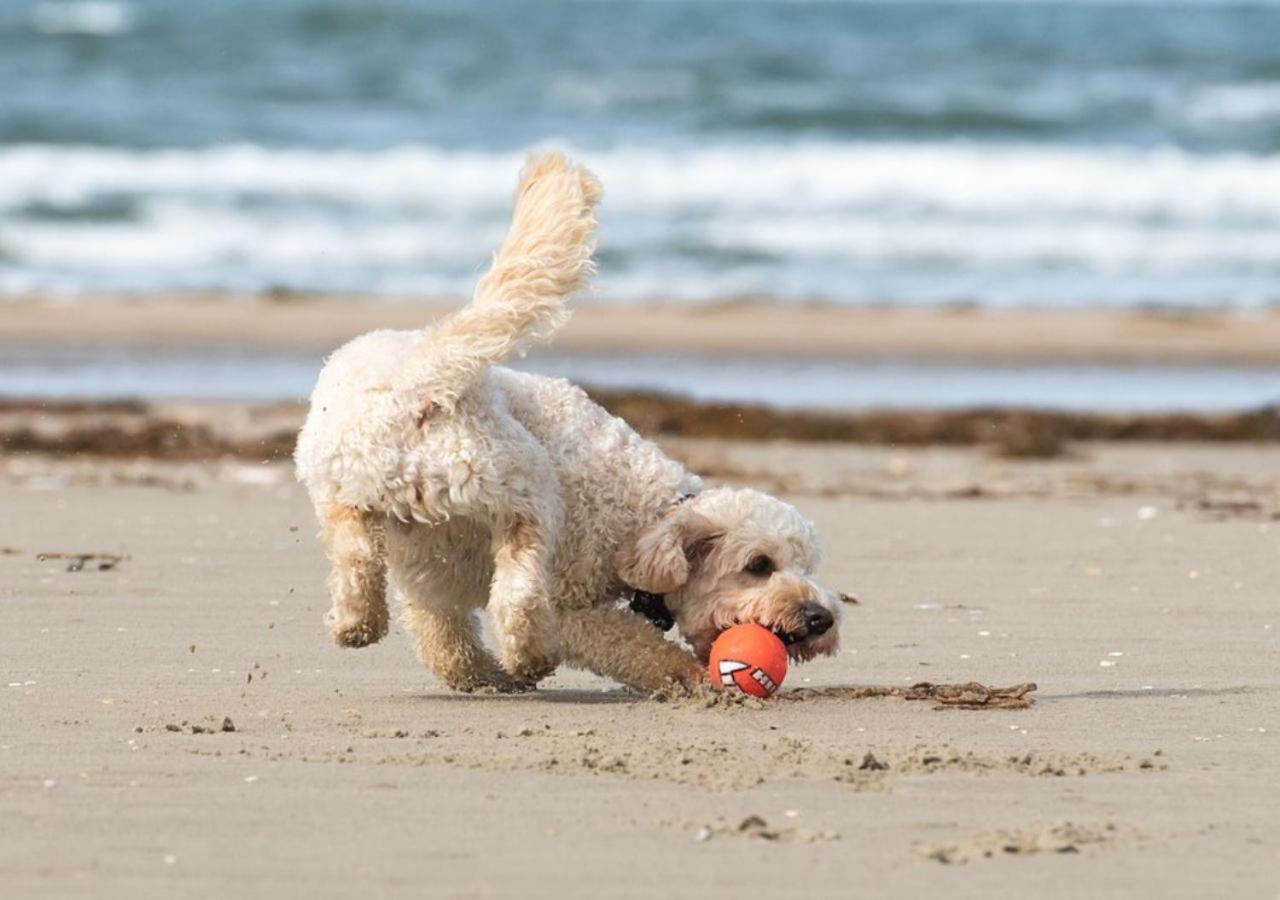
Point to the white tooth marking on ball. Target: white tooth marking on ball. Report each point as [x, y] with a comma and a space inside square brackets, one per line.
[728, 667]
[764, 680]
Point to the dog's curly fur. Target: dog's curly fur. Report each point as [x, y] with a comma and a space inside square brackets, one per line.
[464, 484]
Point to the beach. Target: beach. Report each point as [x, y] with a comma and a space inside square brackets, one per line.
[177, 720]
[989, 291]
[1133, 584]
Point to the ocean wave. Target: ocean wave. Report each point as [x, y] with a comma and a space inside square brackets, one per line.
[820, 220]
[88, 17]
[962, 177]
[1236, 103]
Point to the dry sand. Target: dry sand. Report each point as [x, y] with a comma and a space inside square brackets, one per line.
[952, 334]
[1137, 585]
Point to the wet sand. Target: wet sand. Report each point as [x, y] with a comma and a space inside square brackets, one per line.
[1135, 584]
[957, 334]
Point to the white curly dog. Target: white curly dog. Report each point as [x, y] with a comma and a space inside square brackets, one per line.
[464, 484]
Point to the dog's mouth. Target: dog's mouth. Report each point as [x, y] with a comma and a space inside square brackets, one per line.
[805, 633]
[790, 638]
[809, 623]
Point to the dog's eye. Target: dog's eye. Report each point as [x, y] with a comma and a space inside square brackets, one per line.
[759, 565]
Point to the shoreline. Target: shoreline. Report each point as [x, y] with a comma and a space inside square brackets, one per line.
[954, 334]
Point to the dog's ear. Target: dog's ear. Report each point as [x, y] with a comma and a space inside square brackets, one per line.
[660, 558]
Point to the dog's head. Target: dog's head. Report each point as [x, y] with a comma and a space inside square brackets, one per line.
[728, 556]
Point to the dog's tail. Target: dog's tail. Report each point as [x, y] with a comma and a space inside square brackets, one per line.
[547, 255]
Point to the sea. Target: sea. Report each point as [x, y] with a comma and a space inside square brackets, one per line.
[1120, 154]
[107, 372]
[988, 152]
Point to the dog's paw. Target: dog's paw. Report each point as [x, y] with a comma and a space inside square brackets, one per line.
[352, 629]
[530, 664]
[533, 655]
[504, 685]
[689, 680]
[487, 678]
[529, 668]
[694, 680]
[683, 681]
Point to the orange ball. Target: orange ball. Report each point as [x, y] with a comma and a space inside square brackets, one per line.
[750, 657]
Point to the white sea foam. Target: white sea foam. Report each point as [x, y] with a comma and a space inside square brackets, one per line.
[963, 177]
[1236, 103]
[837, 221]
[91, 17]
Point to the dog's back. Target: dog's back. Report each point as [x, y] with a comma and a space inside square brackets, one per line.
[607, 475]
[379, 392]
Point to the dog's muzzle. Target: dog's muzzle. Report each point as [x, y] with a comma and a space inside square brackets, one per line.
[816, 620]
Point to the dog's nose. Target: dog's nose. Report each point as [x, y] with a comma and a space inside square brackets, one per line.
[817, 619]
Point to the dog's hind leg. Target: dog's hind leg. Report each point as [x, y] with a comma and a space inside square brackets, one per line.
[353, 541]
[523, 619]
[448, 643]
[441, 573]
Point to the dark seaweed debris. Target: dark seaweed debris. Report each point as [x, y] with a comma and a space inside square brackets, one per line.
[134, 429]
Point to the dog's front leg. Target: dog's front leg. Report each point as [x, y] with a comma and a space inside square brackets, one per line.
[524, 622]
[621, 645]
[353, 540]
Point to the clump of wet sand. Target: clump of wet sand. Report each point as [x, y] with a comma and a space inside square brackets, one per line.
[1061, 837]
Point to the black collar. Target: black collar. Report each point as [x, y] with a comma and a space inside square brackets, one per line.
[654, 608]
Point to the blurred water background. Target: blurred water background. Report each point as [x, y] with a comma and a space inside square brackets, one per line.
[995, 153]
[254, 374]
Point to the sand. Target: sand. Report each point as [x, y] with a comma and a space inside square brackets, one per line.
[175, 723]
[957, 334]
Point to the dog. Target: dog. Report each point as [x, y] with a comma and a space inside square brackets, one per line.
[460, 484]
